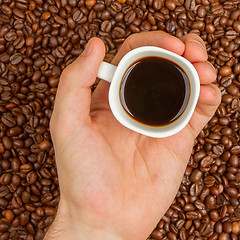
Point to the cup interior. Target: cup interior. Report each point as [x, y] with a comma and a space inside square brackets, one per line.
[123, 117]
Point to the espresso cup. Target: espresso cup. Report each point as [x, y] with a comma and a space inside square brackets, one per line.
[115, 74]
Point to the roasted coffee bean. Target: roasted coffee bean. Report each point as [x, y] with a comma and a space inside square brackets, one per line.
[199, 205]
[106, 26]
[90, 3]
[45, 145]
[24, 218]
[16, 180]
[18, 24]
[60, 20]
[77, 16]
[19, 43]
[190, 4]
[235, 149]
[4, 57]
[210, 202]
[41, 88]
[5, 179]
[207, 161]
[3, 202]
[8, 120]
[170, 26]
[25, 196]
[25, 168]
[39, 62]
[196, 175]
[7, 143]
[10, 36]
[47, 197]
[60, 52]
[5, 236]
[15, 163]
[209, 181]
[39, 235]
[16, 202]
[38, 39]
[31, 177]
[16, 58]
[225, 71]
[98, 7]
[3, 191]
[33, 121]
[235, 227]
[232, 192]
[191, 215]
[3, 227]
[50, 59]
[9, 215]
[218, 149]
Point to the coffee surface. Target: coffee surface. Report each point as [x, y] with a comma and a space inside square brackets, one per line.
[154, 91]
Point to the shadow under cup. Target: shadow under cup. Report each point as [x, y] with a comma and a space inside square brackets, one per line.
[154, 91]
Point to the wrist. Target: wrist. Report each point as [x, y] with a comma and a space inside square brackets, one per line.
[67, 228]
[63, 230]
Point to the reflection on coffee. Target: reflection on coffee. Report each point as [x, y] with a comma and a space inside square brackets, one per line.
[155, 91]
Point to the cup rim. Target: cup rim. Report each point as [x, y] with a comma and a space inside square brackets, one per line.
[153, 131]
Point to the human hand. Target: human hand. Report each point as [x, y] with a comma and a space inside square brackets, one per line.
[116, 183]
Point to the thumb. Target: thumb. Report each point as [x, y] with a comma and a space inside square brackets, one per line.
[73, 99]
[209, 100]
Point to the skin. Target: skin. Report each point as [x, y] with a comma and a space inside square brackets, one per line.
[116, 183]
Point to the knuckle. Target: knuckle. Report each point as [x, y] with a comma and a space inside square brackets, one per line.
[131, 39]
[195, 36]
[219, 95]
[66, 73]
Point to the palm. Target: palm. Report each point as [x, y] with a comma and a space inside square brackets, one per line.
[128, 168]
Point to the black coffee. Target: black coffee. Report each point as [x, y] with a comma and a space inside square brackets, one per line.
[155, 91]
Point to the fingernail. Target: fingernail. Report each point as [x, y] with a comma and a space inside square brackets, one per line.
[88, 48]
[213, 87]
[197, 43]
[213, 68]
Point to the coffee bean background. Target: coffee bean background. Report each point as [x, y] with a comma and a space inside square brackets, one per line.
[38, 39]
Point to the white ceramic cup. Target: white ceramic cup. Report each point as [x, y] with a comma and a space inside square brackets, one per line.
[114, 75]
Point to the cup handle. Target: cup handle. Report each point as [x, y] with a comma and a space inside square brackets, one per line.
[106, 71]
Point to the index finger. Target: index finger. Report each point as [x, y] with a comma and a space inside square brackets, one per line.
[154, 38]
